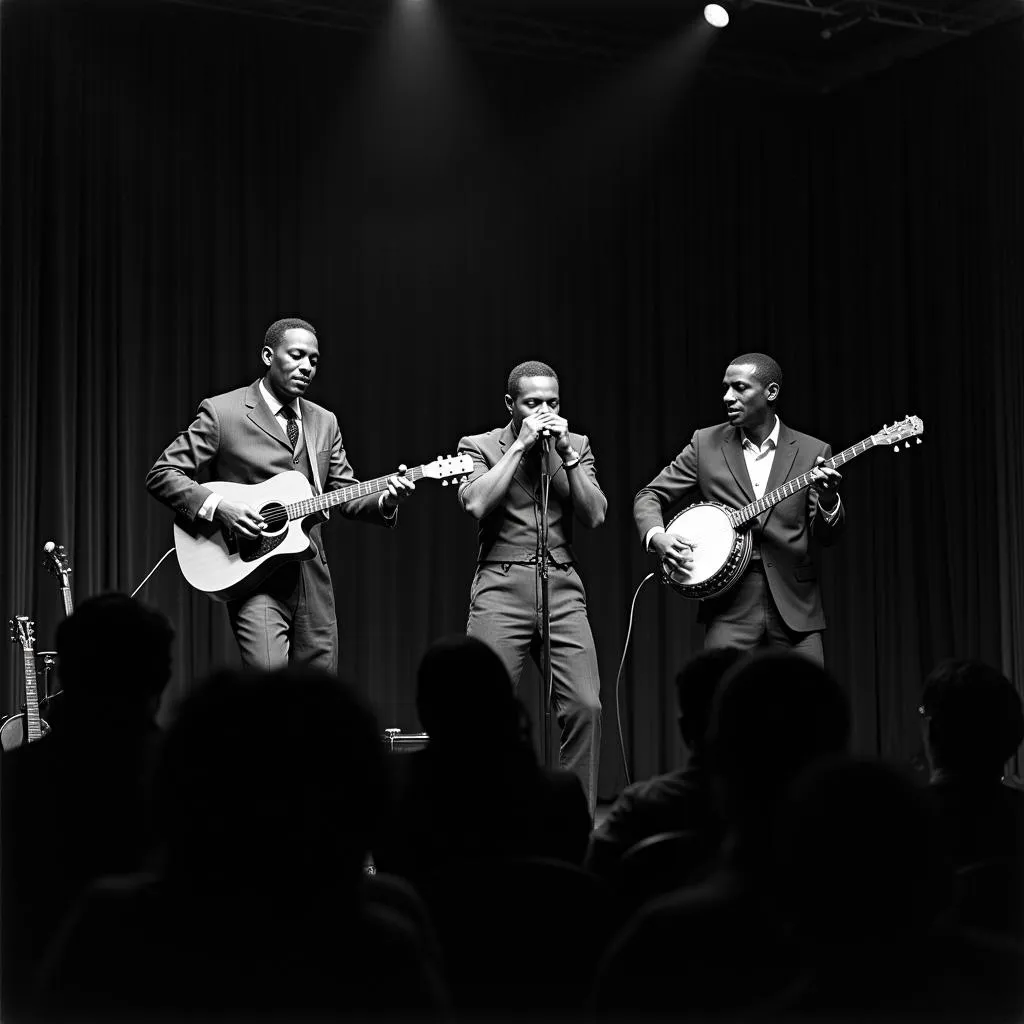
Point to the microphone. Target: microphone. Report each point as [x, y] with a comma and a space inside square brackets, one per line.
[545, 440]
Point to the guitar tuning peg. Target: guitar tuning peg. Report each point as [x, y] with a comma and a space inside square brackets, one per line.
[896, 448]
[919, 440]
[444, 483]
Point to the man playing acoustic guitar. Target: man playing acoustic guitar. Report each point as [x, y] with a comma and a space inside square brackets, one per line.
[247, 436]
[777, 601]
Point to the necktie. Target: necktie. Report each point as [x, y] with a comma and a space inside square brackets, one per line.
[293, 427]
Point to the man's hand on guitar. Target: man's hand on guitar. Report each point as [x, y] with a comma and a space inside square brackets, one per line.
[825, 483]
[400, 489]
[674, 551]
[239, 518]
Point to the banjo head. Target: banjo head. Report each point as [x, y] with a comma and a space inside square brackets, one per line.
[720, 553]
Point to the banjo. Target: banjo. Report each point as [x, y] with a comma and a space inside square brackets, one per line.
[723, 547]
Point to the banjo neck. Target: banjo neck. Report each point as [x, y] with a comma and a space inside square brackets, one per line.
[723, 550]
[797, 484]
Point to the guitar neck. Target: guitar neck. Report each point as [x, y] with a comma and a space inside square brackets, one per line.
[343, 495]
[33, 726]
[797, 484]
[65, 593]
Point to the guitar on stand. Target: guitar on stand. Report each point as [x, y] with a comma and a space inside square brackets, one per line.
[28, 726]
[58, 564]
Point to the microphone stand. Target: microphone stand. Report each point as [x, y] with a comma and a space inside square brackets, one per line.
[545, 608]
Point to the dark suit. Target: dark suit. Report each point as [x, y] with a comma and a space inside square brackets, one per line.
[783, 578]
[236, 438]
[504, 608]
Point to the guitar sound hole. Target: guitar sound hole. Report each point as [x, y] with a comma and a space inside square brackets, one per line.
[276, 518]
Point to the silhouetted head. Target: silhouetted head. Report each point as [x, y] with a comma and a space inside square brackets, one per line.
[464, 696]
[273, 779]
[774, 715]
[696, 684]
[973, 722]
[114, 657]
[859, 849]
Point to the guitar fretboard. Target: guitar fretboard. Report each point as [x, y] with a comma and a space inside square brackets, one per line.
[319, 502]
[33, 726]
[797, 484]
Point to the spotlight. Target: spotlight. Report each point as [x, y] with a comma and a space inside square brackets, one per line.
[716, 15]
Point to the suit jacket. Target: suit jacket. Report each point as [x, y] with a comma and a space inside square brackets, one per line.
[712, 468]
[235, 437]
[509, 532]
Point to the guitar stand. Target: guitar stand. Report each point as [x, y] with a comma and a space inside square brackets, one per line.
[49, 660]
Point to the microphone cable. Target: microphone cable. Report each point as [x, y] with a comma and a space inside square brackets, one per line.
[169, 551]
[618, 677]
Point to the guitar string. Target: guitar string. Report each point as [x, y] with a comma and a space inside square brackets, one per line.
[791, 487]
[307, 506]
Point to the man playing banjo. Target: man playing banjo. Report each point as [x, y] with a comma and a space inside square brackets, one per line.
[776, 600]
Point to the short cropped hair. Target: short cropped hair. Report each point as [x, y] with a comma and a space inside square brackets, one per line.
[766, 369]
[275, 332]
[531, 368]
[974, 713]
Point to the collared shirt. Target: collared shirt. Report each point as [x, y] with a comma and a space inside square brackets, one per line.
[275, 407]
[759, 458]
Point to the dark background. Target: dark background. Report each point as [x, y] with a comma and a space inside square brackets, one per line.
[174, 179]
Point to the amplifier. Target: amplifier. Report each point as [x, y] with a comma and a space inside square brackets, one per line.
[398, 742]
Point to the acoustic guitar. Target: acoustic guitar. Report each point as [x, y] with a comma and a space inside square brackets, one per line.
[28, 726]
[724, 542]
[226, 566]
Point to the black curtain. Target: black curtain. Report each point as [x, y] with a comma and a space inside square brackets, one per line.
[175, 179]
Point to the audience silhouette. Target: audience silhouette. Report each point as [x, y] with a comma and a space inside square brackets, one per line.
[476, 792]
[266, 799]
[492, 840]
[718, 948]
[219, 870]
[73, 805]
[679, 800]
[973, 725]
[865, 884]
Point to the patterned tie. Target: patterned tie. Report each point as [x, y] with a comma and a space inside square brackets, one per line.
[293, 427]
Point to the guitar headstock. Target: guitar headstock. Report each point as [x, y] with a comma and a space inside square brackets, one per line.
[449, 469]
[908, 427]
[23, 631]
[56, 561]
